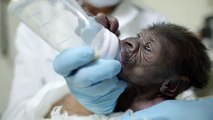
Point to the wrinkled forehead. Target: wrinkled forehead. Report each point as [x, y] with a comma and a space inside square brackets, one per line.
[156, 37]
[162, 46]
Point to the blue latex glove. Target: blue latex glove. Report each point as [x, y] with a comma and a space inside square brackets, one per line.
[175, 110]
[93, 83]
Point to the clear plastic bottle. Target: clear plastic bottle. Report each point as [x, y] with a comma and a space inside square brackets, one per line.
[63, 24]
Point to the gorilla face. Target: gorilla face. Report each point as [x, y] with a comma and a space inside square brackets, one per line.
[142, 58]
[161, 62]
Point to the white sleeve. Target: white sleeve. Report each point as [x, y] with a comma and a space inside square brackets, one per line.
[28, 79]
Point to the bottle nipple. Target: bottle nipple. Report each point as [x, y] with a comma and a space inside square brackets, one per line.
[111, 47]
[104, 42]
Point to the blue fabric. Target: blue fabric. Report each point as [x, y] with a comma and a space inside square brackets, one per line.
[175, 110]
[92, 82]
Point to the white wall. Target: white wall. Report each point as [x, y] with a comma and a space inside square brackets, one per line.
[5, 81]
[189, 13]
[6, 62]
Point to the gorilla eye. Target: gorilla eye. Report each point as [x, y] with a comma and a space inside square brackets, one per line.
[147, 47]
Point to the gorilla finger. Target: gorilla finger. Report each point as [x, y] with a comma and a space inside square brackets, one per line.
[114, 25]
[117, 33]
[102, 19]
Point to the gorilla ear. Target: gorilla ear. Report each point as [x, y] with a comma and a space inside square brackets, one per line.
[172, 86]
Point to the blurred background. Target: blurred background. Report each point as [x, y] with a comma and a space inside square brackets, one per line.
[194, 14]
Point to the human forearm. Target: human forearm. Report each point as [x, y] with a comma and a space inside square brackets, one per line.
[70, 105]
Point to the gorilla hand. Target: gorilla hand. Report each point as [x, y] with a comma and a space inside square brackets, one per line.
[111, 24]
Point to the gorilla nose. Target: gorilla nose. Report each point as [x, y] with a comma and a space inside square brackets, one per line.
[131, 45]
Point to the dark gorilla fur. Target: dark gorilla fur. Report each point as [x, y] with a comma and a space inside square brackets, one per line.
[187, 53]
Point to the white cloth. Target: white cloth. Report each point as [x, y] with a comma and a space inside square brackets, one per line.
[33, 71]
[33, 64]
[57, 115]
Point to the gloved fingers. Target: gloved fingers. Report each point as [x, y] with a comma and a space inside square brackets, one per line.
[114, 93]
[106, 102]
[102, 88]
[98, 89]
[96, 72]
[71, 59]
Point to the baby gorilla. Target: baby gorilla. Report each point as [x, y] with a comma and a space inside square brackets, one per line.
[159, 63]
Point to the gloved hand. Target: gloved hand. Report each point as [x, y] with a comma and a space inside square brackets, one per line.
[175, 110]
[93, 83]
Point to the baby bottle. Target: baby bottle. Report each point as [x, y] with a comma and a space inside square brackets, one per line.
[64, 24]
